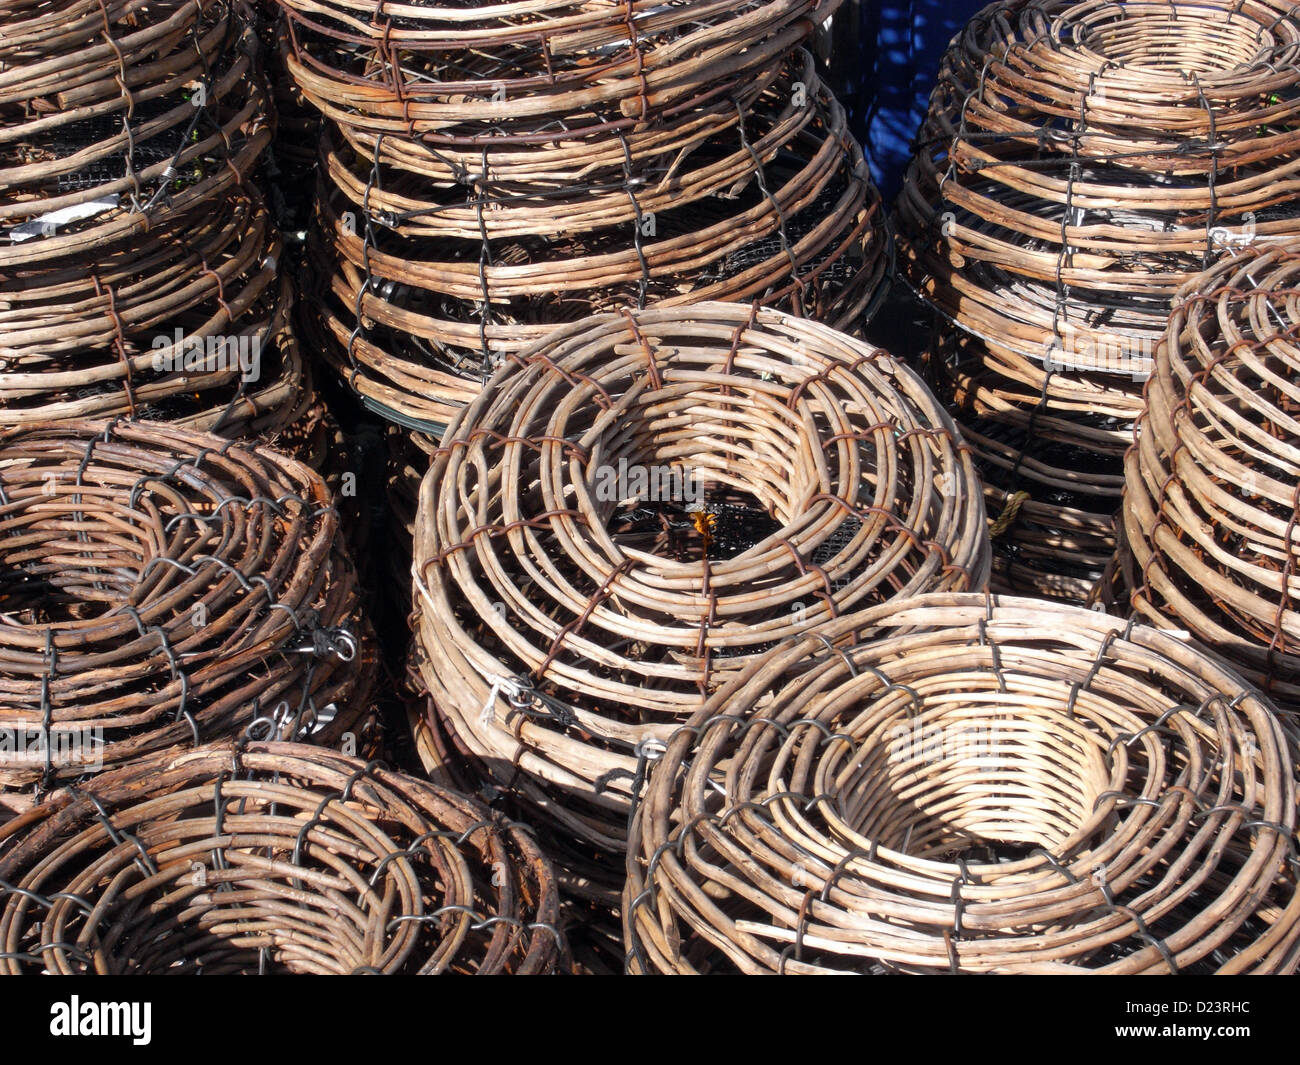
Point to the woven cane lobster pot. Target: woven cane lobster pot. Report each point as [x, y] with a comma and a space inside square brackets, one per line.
[161, 587]
[527, 70]
[1212, 484]
[1049, 447]
[1078, 164]
[243, 378]
[117, 118]
[1081, 161]
[271, 858]
[590, 877]
[137, 268]
[986, 784]
[421, 283]
[643, 504]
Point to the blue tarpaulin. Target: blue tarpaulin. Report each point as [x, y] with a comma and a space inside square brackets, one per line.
[884, 61]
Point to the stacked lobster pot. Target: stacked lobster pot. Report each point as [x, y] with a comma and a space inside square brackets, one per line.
[272, 858]
[488, 174]
[1210, 538]
[138, 267]
[163, 588]
[972, 784]
[637, 507]
[1079, 163]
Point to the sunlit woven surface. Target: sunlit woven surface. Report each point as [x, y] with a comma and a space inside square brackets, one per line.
[1212, 497]
[271, 858]
[160, 587]
[561, 625]
[982, 785]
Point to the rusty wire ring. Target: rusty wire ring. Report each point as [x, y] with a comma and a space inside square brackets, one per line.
[976, 784]
[160, 586]
[559, 626]
[271, 857]
[1212, 509]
